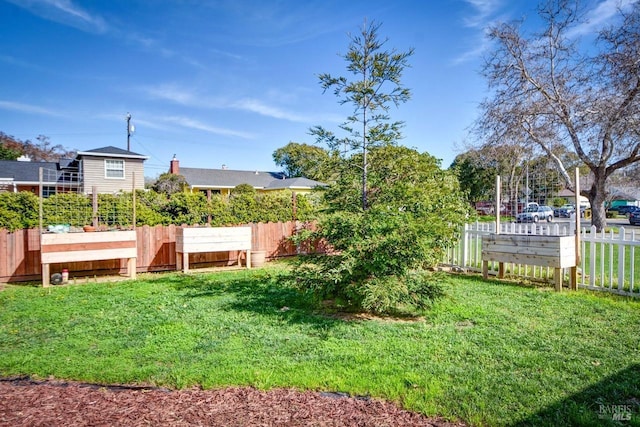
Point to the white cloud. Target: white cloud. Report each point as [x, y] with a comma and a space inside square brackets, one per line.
[175, 94]
[180, 95]
[27, 108]
[259, 107]
[64, 12]
[483, 10]
[190, 123]
[484, 13]
[601, 15]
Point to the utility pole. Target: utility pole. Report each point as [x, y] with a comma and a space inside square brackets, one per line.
[128, 132]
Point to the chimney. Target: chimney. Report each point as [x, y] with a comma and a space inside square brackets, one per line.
[174, 167]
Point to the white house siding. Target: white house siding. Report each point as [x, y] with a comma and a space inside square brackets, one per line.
[94, 175]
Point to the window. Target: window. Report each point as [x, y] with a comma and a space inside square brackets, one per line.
[114, 169]
[48, 191]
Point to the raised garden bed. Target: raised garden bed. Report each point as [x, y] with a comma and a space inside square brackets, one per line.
[211, 239]
[556, 252]
[78, 247]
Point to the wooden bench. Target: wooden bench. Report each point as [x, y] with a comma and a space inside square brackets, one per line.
[77, 247]
[556, 252]
[211, 239]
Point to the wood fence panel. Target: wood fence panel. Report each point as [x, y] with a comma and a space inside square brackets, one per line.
[4, 260]
[20, 255]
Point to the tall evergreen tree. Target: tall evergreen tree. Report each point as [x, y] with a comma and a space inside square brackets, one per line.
[377, 85]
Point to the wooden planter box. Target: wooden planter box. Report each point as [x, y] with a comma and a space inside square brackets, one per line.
[78, 247]
[556, 252]
[211, 239]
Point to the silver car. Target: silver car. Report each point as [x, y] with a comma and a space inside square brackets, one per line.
[535, 214]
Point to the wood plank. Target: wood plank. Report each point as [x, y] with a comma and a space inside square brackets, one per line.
[88, 246]
[4, 260]
[100, 236]
[56, 257]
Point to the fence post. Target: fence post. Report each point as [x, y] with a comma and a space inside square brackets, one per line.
[621, 260]
[94, 203]
[465, 246]
[573, 271]
[592, 256]
[498, 203]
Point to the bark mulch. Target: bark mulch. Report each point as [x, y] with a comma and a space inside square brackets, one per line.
[26, 402]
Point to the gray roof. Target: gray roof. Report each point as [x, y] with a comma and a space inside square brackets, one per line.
[225, 178]
[111, 151]
[25, 172]
[293, 183]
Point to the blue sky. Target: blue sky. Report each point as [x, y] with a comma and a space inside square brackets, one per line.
[228, 82]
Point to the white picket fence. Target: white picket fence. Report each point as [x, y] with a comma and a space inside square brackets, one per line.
[607, 262]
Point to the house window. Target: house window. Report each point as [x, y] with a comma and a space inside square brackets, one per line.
[48, 190]
[114, 169]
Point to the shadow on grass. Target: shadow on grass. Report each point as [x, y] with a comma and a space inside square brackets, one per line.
[264, 293]
[614, 401]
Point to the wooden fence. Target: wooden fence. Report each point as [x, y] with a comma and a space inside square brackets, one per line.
[20, 257]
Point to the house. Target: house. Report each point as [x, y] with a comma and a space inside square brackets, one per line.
[18, 176]
[222, 181]
[110, 169]
[107, 170]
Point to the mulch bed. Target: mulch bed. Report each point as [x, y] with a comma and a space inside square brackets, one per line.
[26, 402]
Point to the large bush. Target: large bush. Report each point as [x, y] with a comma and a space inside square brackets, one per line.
[415, 211]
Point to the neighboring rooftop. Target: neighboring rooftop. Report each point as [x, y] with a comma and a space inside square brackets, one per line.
[111, 151]
[27, 172]
[226, 178]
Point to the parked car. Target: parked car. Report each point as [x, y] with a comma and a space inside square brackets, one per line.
[535, 214]
[627, 209]
[634, 217]
[564, 211]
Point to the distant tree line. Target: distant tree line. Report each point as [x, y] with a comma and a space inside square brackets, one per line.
[43, 150]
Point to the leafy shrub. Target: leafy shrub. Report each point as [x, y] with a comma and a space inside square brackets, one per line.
[275, 206]
[415, 211]
[150, 208]
[187, 208]
[307, 205]
[220, 211]
[243, 204]
[67, 208]
[170, 183]
[387, 294]
[115, 209]
[18, 210]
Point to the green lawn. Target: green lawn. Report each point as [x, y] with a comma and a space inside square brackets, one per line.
[490, 353]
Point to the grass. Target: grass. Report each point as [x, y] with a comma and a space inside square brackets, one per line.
[490, 353]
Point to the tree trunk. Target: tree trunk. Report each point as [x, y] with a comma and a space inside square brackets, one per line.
[597, 198]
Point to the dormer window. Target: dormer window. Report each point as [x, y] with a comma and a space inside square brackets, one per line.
[114, 169]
